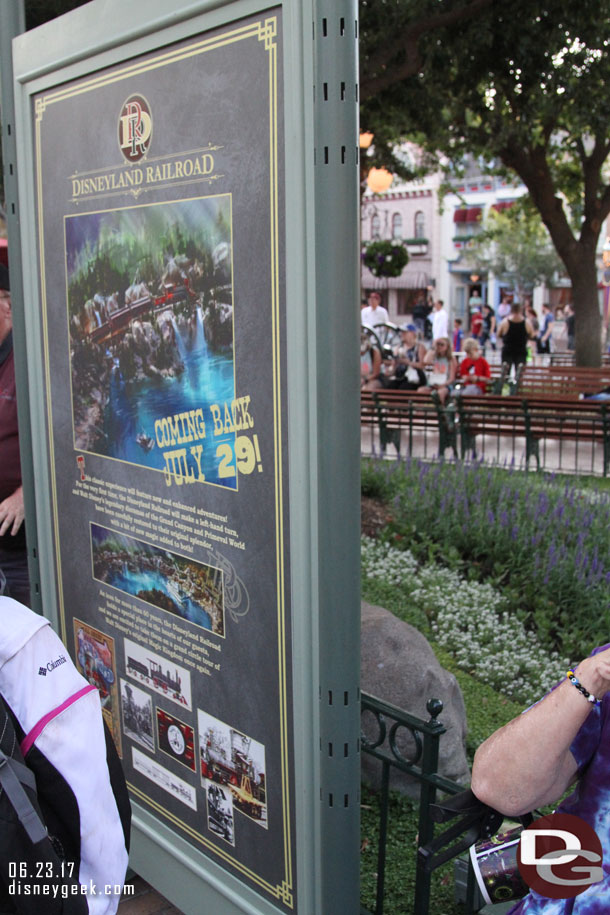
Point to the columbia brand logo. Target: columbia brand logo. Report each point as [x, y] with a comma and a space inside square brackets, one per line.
[42, 671]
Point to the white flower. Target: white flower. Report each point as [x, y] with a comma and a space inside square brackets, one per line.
[471, 621]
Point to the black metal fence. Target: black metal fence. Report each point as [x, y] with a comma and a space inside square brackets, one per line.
[382, 725]
[525, 431]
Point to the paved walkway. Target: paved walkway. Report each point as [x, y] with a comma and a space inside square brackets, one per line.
[146, 901]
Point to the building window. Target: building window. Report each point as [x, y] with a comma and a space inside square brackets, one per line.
[375, 226]
[420, 225]
[396, 225]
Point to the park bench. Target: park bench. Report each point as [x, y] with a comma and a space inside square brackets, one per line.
[568, 358]
[570, 382]
[580, 422]
[490, 416]
[394, 412]
[536, 419]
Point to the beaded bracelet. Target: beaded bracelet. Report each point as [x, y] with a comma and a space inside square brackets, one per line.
[576, 682]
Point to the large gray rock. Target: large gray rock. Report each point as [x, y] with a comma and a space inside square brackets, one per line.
[399, 666]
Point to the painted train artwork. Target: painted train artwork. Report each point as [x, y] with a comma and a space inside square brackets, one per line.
[150, 311]
[162, 680]
[158, 674]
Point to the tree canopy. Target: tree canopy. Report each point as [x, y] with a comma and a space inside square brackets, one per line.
[515, 246]
[523, 85]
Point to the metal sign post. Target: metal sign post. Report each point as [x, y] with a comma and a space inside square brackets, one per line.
[12, 23]
[188, 180]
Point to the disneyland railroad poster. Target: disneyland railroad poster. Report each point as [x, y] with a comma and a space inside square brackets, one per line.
[160, 217]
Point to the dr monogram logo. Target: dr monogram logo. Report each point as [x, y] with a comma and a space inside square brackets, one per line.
[135, 128]
[560, 856]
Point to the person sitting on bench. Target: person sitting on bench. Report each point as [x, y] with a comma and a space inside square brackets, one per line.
[475, 373]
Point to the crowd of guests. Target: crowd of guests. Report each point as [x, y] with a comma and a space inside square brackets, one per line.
[425, 359]
[411, 366]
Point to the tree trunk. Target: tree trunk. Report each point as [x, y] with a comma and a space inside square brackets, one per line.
[587, 318]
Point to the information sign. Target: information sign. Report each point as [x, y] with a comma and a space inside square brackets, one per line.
[159, 346]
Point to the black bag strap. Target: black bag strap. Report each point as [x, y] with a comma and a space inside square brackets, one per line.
[16, 781]
[119, 786]
[13, 775]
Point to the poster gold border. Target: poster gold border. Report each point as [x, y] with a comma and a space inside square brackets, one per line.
[264, 30]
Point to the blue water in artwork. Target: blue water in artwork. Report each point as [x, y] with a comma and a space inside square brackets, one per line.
[144, 580]
[208, 378]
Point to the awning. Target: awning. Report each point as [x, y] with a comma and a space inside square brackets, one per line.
[460, 215]
[473, 214]
[502, 205]
[408, 279]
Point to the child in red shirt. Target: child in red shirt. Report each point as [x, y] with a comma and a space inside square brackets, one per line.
[476, 324]
[474, 369]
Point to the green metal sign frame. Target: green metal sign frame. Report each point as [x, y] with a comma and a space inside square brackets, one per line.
[313, 44]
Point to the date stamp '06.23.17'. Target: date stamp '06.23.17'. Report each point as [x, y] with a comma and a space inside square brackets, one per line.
[42, 879]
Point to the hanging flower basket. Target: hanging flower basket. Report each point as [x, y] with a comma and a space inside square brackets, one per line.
[385, 258]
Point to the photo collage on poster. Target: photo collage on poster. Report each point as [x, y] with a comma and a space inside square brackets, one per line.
[228, 764]
[233, 775]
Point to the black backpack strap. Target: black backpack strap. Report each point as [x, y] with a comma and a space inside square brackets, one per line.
[13, 775]
[24, 836]
[119, 786]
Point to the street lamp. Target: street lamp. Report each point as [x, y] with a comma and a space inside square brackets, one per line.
[379, 180]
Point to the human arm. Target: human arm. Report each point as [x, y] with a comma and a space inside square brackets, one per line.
[464, 368]
[549, 329]
[530, 329]
[420, 359]
[452, 370]
[12, 512]
[483, 371]
[370, 370]
[528, 763]
[503, 327]
[482, 374]
[376, 367]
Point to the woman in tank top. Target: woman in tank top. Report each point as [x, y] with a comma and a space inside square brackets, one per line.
[515, 331]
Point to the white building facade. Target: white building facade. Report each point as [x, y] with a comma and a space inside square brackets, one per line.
[436, 233]
[409, 213]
